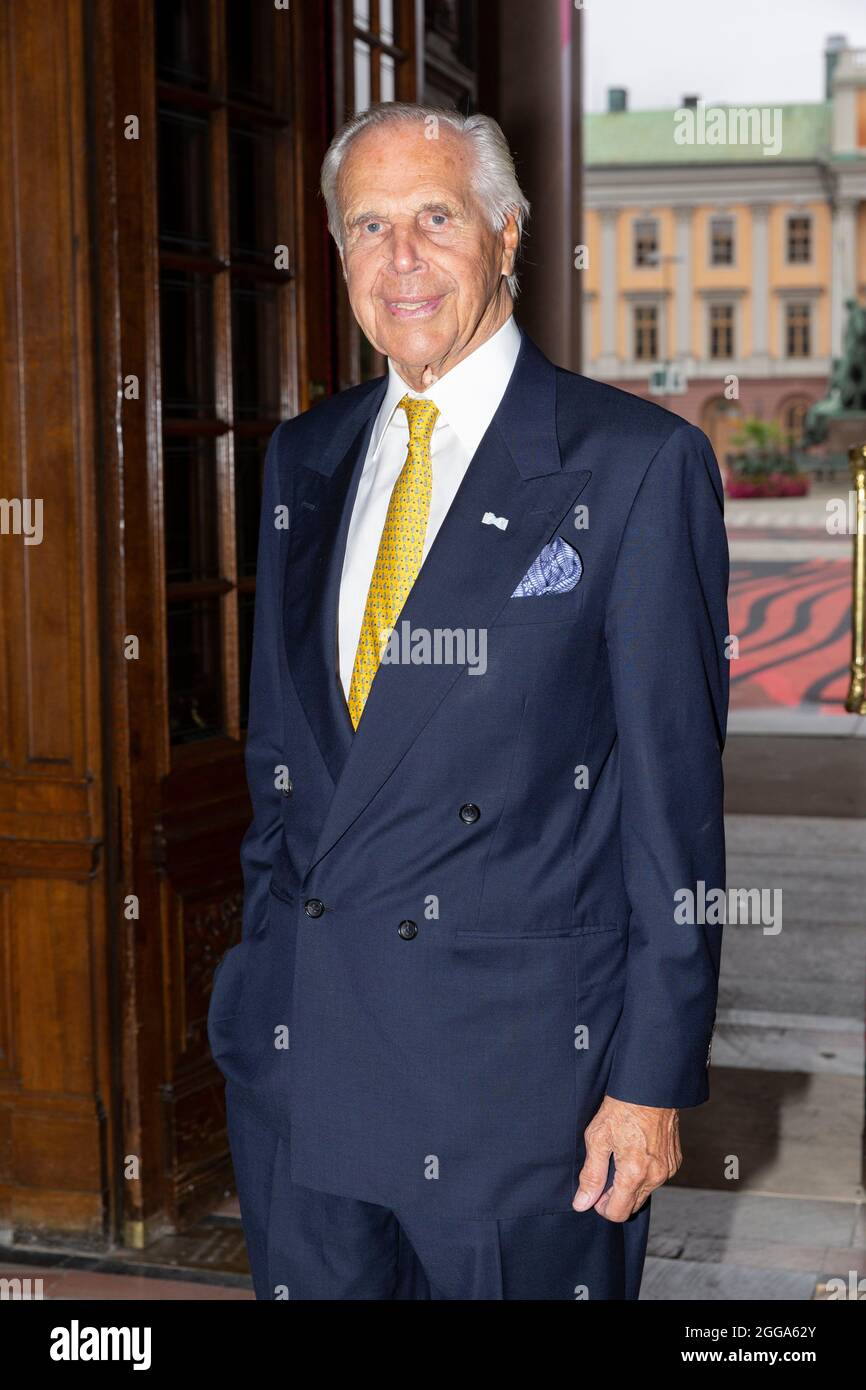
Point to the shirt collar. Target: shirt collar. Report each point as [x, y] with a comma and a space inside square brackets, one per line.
[467, 397]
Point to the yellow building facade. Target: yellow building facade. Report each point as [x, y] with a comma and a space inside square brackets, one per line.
[720, 246]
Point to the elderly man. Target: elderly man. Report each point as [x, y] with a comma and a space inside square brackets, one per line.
[487, 712]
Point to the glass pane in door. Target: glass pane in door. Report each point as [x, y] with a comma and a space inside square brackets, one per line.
[194, 669]
[191, 510]
[253, 211]
[186, 337]
[255, 350]
[182, 41]
[184, 181]
[250, 49]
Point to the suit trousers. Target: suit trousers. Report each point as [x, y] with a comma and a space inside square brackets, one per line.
[310, 1245]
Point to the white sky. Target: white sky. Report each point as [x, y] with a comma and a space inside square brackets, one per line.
[722, 50]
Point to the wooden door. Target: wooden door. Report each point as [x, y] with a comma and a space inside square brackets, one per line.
[216, 310]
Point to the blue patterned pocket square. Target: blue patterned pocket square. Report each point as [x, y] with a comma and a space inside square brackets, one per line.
[556, 570]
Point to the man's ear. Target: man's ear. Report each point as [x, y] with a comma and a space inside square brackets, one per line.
[510, 244]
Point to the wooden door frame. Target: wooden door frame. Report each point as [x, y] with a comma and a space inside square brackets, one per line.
[55, 1034]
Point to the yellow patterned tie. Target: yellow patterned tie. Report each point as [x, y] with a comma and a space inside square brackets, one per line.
[401, 547]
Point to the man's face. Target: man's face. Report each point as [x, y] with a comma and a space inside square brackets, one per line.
[423, 265]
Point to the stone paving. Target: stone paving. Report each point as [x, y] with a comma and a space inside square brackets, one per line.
[787, 1084]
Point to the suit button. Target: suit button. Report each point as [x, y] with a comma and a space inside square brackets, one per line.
[314, 907]
[408, 930]
[469, 813]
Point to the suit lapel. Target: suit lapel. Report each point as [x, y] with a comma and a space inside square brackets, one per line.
[322, 500]
[470, 572]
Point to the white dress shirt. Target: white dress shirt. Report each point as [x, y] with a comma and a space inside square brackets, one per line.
[467, 398]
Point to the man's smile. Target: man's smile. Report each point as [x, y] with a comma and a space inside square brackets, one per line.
[413, 308]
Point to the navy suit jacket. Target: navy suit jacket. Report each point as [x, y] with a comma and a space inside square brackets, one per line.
[457, 1065]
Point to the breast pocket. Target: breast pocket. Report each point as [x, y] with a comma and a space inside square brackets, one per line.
[543, 608]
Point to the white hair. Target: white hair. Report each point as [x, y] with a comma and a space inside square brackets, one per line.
[495, 182]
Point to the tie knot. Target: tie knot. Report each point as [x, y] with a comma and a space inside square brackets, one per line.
[421, 415]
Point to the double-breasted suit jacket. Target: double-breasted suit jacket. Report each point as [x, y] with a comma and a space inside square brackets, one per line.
[460, 925]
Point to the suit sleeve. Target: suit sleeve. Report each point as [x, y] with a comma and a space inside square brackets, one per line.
[265, 743]
[665, 629]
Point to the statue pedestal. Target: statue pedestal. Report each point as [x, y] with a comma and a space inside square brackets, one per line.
[846, 431]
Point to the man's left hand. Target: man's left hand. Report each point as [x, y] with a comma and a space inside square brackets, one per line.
[645, 1143]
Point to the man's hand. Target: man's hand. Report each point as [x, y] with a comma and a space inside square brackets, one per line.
[645, 1143]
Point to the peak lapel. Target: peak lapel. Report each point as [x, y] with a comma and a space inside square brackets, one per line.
[322, 499]
[470, 572]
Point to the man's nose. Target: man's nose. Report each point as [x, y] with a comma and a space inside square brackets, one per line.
[405, 252]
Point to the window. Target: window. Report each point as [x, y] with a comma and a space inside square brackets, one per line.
[646, 242]
[721, 330]
[646, 333]
[227, 329]
[379, 62]
[721, 241]
[798, 330]
[799, 240]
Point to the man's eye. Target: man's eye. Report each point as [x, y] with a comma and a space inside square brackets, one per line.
[439, 219]
[372, 227]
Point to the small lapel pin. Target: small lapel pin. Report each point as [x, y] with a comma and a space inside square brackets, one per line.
[489, 519]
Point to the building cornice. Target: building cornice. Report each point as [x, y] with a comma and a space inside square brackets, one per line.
[722, 291]
[685, 185]
[647, 292]
[799, 291]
